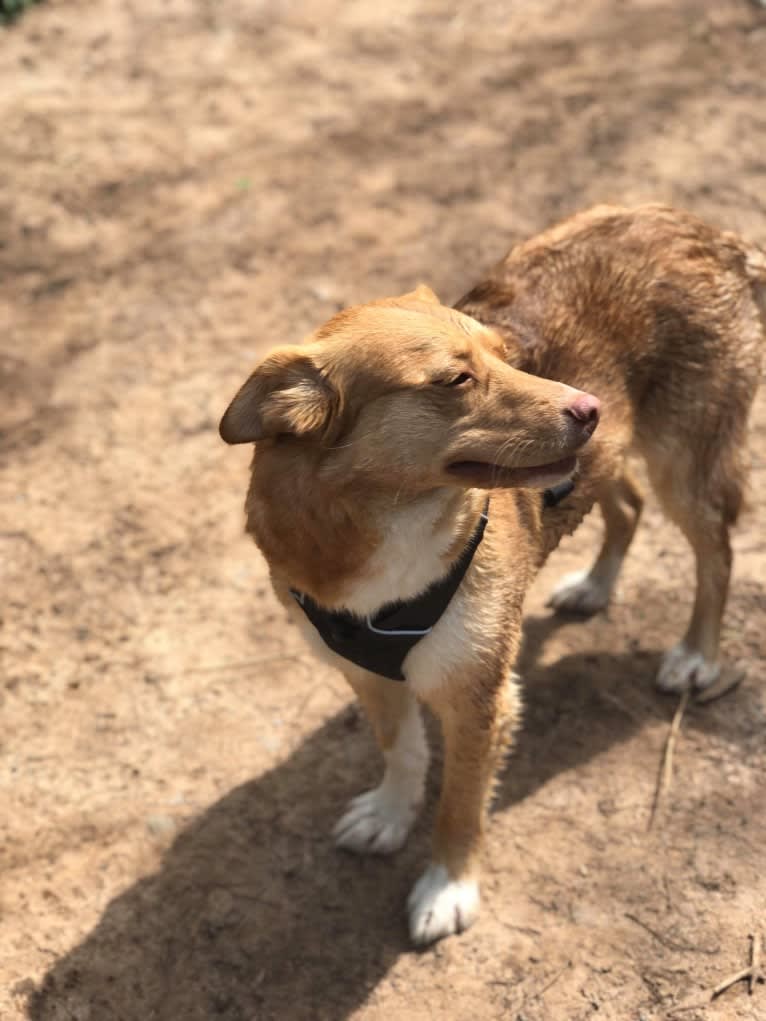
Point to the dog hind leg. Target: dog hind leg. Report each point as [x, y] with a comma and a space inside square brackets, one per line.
[704, 500]
[587, 592]
[694, 661]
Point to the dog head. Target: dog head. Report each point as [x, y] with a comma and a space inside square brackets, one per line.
[408, 394]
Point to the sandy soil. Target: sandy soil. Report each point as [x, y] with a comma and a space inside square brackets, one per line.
[182, 185]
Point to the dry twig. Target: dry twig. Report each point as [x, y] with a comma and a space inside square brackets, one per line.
[666, 770]
[752, 974]
[755, 962]
[668, 942]
[732, 980]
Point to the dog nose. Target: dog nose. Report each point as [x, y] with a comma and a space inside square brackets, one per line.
[585, 410]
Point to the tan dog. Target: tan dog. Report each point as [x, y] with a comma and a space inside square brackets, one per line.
[377, 441]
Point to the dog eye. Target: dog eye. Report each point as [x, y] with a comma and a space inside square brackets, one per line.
[460, 380]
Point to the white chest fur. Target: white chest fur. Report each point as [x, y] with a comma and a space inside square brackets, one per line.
[409, 558]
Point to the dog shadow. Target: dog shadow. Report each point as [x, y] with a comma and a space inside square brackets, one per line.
[583, 703]
[253, 913]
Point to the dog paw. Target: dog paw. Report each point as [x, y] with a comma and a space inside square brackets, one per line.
[376, 822]
[440, 906]
[580, 593]
[683, 668]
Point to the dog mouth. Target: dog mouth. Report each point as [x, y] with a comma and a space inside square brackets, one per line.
[496, 476]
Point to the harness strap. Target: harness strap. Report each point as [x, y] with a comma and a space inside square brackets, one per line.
[380, 644]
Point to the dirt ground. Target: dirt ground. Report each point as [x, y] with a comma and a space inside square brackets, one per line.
[183, 185]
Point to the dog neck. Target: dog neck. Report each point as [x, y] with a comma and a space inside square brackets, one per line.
[358, 548]
[417, 545]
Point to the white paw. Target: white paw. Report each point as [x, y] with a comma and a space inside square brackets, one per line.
[376, 822]
[440, 906]
[581, 593]
[682, 668]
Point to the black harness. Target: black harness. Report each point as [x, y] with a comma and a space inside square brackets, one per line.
[381, 643]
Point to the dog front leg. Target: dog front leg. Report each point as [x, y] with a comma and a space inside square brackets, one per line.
[379, 821]
[477, 723]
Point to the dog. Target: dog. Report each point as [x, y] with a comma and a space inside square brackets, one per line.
[415, 464]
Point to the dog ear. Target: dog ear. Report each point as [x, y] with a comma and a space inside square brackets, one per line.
[286, 394]
[421, 293]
